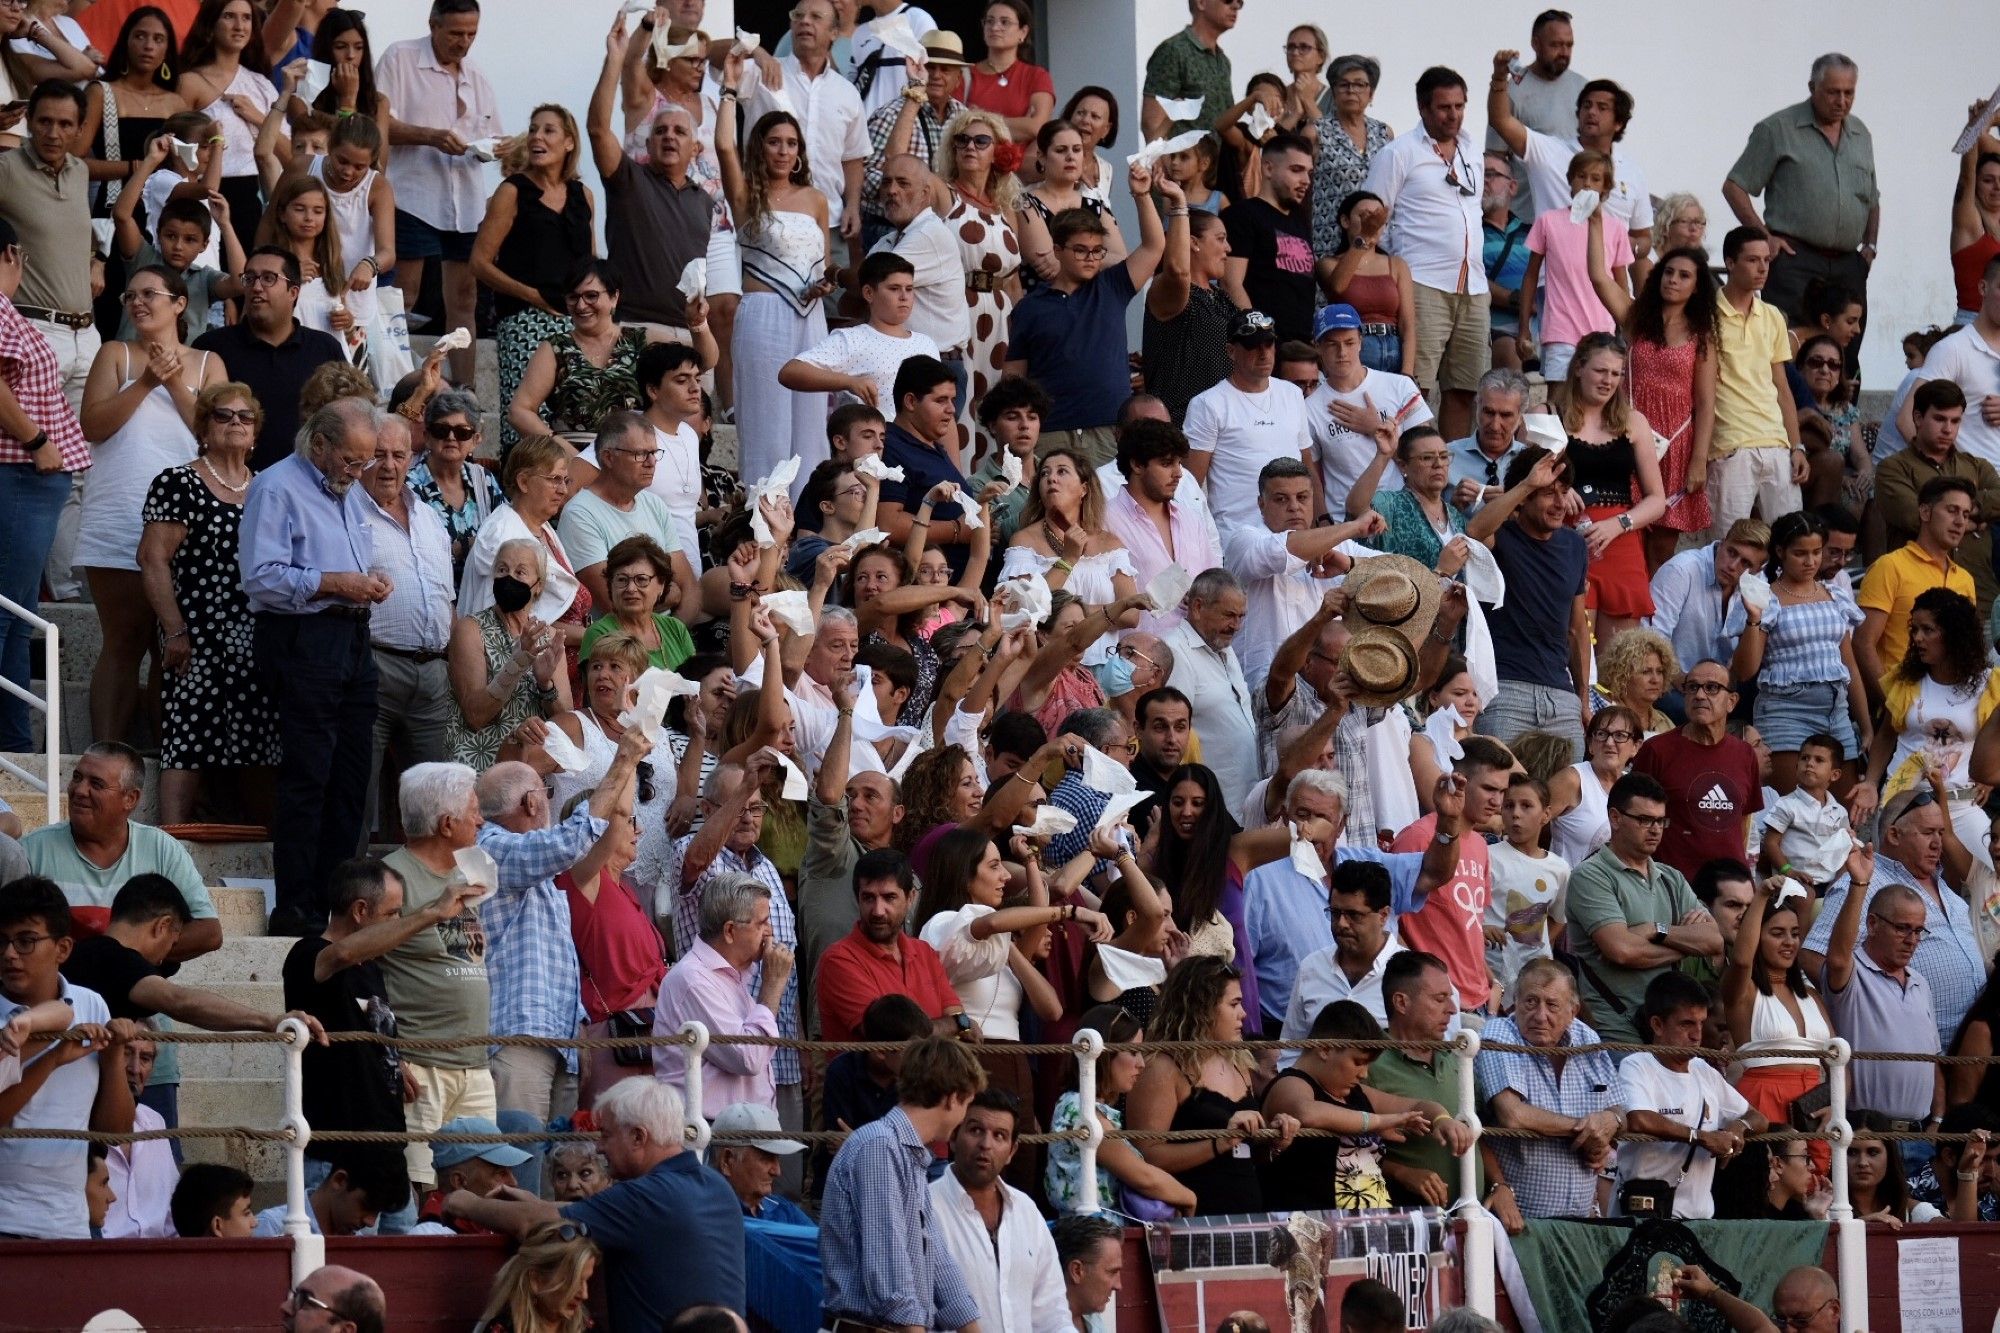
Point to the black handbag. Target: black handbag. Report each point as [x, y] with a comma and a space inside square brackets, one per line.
[1646, 1198]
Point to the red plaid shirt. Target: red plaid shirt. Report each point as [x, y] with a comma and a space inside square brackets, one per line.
[28, 365]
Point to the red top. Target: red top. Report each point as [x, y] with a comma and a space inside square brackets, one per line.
[1451, 923]
[1712, 790]
[617, 946]
[102, 21]
[1011, 98]
[854, 972]
[1968, 266]
[1375, 298]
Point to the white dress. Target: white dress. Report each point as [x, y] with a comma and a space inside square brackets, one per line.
[978, 970]
[600, 749]
[153, 439]
[1091, 580]
[786, 252]
[1578, 833]
[351, 221]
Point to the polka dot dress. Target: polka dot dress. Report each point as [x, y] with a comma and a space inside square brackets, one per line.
[987, 244]
[215, 714]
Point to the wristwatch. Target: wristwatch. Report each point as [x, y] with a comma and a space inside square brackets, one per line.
[964, 1022]
[1659, 932]
[1625, 522]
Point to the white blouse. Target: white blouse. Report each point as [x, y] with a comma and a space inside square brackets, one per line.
[978, 970]
[1090, 580]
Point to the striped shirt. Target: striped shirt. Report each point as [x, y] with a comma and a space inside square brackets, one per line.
[1549, 1179]
[882, 1253]
[29, 366]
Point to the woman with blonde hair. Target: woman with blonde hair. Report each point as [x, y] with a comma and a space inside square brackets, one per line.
[542, 1288]
[982, 213]
[1679, 221]
[1635, 669]
[1615, 469]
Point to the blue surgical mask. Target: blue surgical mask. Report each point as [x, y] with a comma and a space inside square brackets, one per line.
[1114, 675]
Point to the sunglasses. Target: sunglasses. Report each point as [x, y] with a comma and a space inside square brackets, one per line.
[232, 416]
[971, 141]
[440, 431]
[1823, 363]
[645, 775]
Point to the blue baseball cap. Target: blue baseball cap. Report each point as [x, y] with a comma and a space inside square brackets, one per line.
[1336, 317]
[457, 1154]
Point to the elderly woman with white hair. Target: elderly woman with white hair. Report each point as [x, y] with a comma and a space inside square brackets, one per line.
[463, 493]
[506, 663]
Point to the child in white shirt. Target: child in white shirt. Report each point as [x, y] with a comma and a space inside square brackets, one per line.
[1527, 882]
[1806, 834]
[862, 360]
[17, 1085]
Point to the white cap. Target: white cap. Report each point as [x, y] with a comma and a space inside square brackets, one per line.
[757, 1119]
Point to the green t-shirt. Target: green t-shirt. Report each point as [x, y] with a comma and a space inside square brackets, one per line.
[437, 979]
[1604, 891]
[676, 644]
[1394, 1072]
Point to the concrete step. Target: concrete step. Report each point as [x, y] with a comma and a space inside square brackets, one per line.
[241, 911]
[254, 1062]
[258, 1102]
[243, 960]
[267, 997]
[240, 860]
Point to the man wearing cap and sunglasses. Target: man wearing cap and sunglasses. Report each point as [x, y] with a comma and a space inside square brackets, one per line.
[1246, 421]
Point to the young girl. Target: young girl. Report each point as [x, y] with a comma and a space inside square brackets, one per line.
[1453, 707]
[227, 70]
[1375, 284]
[1118, 1161]
[299, 221]
[1193, 169]
[1561, 245]
[1522, 920]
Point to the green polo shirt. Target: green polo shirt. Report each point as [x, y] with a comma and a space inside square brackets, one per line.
[1395, 1072]
[1814, 191]
[1183, 67]
[1605, 891]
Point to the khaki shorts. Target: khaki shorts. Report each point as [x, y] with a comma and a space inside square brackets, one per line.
[1097, 444]
[442, 1095]
[1454, 341]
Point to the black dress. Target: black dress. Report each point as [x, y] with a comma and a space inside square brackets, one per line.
[133, 134]
[1317, 1173]
[542, 246]
[1225, 1184]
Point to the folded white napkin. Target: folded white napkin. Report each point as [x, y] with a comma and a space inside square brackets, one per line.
[790, 608]
[476, 867]
[1120, 806]
[778, 483]
[1050, 821]
[746, 42]
[795, 781]
[871, 465]
[895, 35]
[651, 694]
[868, 724]
[1977, 125]
[865, 537]
[456, 341]
[1439, 727]
[1028, 598]
[1305, 857]
[1755, 591]
[1156, 149]
[1582, 204]
[1169, 588]
[486, 150]
[315, 80]
[694, 278]
[1546, 429]
[968, 511]
[664, 49]
[1103, 773]
[559, 747]
[1259, 123]
[1129, 971]
[1010, 466]
[1180, 108]
[189, 154]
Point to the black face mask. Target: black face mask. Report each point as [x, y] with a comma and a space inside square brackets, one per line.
[510, 594]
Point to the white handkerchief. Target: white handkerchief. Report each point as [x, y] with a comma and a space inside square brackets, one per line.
[1482, 576]
[650, 696]
[476, 867]
[1977, 125]
[968, 511]
[1755, 590]
[1029, 598]
[746, 42]
[868, 725]
[795, 781]
[1439, 727]
[103, 233]
[778, 483]
[1119, 807]
[694, 278]
[1010, 466]
[871, 465]
[1259, 122]
[664, 49]
[1546, 429]
[1156, 149]
[1180, 108]
[1582, 204]
[486, 150]
[1169, 588]
[1792, 888]
[895, 35]
[559, 747]
[1305, 857]
[790, 609]
[317, 76]
[1050, 821]
[910, 753]
[1129, 971]
[1103, 773]
[865, 537]
[188, 154]
[456, 341]
[638, 7]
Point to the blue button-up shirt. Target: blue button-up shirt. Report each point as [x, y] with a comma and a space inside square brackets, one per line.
[1470, 463]
[1549, 1179]
[881, 1252]
[537, 987]
[416, 615]
[1948, 957]
[1689, 607]
[1286, 915]
[295, 529]
[784, 929]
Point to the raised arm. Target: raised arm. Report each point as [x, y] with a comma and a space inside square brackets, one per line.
[1609, 290]
[1482, 526]
[605, 149]
[1500, 117]
[1839, 968]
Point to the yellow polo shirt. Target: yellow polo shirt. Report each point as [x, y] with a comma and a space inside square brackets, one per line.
[1747, 415]
[1893, 583]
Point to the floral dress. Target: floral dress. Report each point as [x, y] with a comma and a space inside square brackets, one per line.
[992, 254]
[1062, 1175]
[584, 392]
[1338, 171]
[481, 749]
[482, 497]
[216, 713]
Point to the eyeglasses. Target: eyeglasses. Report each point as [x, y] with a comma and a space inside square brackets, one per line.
[1452, 170]
[857, 491]
[1644, 821]
[1703, 687]
[1354, 86]
[1900, 931]
[643, 455]
[1253, 321]
[441, 431]
[567, 1231]
[632, 580]
[266, 278]
[1617, 737]
[1822, 363]
[587, 298]
[233, 416]
[1495, 174]
[1300, 48]
[146, 297]
[1799, 1321]
[1351, 916]
[1131, 654]
[354, 467]
[1306, 385]
[301, 1298]
[971, 141]
[21, 944]
[1087, 251]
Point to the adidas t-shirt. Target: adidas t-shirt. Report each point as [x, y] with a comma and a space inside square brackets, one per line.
[1711, 791]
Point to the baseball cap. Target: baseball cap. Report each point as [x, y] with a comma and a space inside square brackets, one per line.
[1250, 327]
[457, 1154]
[1335, 317]
[758, 1120]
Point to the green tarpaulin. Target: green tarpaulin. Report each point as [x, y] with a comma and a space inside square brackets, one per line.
[1564, 1261]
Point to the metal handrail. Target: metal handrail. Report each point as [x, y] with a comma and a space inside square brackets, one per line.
[51, 709]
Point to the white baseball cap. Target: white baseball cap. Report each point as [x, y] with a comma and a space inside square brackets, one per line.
[757, 1119]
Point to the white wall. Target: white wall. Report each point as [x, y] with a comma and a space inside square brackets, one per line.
[1701, 76]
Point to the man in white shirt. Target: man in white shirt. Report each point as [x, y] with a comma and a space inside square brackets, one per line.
[828, 110]
[1691, 592]
[1696, 1118]
[919, 235]
[442, 105]
[142, 1175]
[1207, 672]
[1479, 462]
[993, 1230]
[1341, 413]
[1431, 179]
[1543, 94]
[1970, 358]
[1244, 422]
[1286, 564]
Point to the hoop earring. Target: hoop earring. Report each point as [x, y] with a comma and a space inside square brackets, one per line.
[165, 72]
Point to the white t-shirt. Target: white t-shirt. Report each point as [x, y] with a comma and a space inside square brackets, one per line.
[1966, 360]
[941, 313]
[1280, 594]
[1700, 1097]
[1244, 431]
[862, 349]
[1525, 891]
[41, 1180]
[676, 480]
[1343, 455]
[1548, 180]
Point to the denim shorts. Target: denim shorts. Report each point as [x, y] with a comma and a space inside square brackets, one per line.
[1786, 714]
[418, 239]
[1382, 351]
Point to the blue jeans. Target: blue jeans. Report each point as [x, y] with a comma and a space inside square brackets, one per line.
[30, 503]
[1382, 351]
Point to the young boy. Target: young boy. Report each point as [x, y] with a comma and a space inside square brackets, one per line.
[863, 359]
[1806, 834]
[1521, 915]
[855, 429]
[367, 1180]
[1562, 247]
[312, 134]
[1012, 413]
[192, 234]
[213, 1200]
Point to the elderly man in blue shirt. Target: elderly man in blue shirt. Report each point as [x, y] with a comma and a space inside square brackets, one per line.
[1479, 461]
[307, 558]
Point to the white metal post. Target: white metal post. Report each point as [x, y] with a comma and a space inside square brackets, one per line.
[1850, 1232]
[1089, 1045]
[51, 709]
[1476, 1250]
[308, 1250]
[697, 1123]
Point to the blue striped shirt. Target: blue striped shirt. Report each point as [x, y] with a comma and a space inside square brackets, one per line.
[881, 1252]
[537, 986]
[1549, 1179]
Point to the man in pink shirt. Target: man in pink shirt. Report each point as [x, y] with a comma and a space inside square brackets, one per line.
[711, 986]
[1159, 527]
[1450, 924]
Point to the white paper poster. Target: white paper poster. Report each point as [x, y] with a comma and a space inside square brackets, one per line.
[1927, 1285]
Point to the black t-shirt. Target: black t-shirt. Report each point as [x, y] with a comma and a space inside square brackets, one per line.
[102, 964]
[1278, 245]
[348, 1085]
